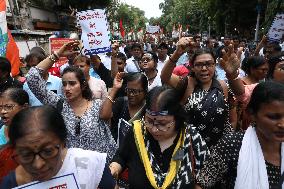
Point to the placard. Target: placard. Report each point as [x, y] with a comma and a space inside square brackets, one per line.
[95, 34]
[123, 128]
[61, 182]
[55, 44]
[276, 30]
[152, 29]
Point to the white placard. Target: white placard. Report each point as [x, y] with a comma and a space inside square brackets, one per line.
[95, 33]
[152, 29]
[123, 128]
[276, 30]
[61, 182]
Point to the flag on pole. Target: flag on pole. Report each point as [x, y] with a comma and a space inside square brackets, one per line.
[8, 47]
[122, 31]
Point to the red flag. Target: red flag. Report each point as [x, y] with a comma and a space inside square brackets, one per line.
[12, 54]
[122, 31]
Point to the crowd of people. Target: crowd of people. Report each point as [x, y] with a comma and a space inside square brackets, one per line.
[189, 114]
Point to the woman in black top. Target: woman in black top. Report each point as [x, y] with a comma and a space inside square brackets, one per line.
[205, 97]
[128, 108]
[229, 161]
[161, 151]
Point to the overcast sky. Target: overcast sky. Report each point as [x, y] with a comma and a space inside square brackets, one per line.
[151, 7]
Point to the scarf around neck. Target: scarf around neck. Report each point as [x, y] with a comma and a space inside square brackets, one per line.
[251, 169]
[181, 165]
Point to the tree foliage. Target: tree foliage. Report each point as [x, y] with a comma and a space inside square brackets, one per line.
[89, 4]
[132, 17]
[224, 16]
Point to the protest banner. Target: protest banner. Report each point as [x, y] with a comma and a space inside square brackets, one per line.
[60, 182]
[55, 44]
[95, 34]
[276, 31]
[122, 130]
[152, 29]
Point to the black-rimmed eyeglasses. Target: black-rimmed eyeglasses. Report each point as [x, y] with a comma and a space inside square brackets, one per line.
[28, 157]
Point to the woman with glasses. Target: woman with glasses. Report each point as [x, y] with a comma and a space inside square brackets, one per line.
[254, 159]
[12, 101]
[83, 115]
[231, 63]
[205, 97]
[161, 151]
[256, 68]
[39, 136]
[132, 106]
[149, 63]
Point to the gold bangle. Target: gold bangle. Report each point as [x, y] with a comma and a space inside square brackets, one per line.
[110, 99]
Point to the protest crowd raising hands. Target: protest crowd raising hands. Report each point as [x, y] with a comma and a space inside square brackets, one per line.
[174, 112]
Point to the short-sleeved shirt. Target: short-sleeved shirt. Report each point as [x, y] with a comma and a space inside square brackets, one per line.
[53, 83]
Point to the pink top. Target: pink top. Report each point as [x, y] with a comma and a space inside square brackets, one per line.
[98, 87]
[245, 98]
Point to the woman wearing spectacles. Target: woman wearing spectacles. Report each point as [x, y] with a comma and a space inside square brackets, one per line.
[83, 115]
[132, 106]
[231, 63]
[255, 68]
[205, 97]
[161, 151]
[39, 136]
[12, 101]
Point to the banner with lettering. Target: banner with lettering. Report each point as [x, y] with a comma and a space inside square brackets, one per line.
[95, 34]
[61, 182]
[55, 44]
[276, 31]
[152, 29]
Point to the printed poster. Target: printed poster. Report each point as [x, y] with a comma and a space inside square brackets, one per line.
[61, 182]
[55, 44]
[152, 29]
[95, 34]
[123, 128]
[276, 31]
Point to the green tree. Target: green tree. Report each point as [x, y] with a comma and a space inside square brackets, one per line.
[89, 4]
[133, 18]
